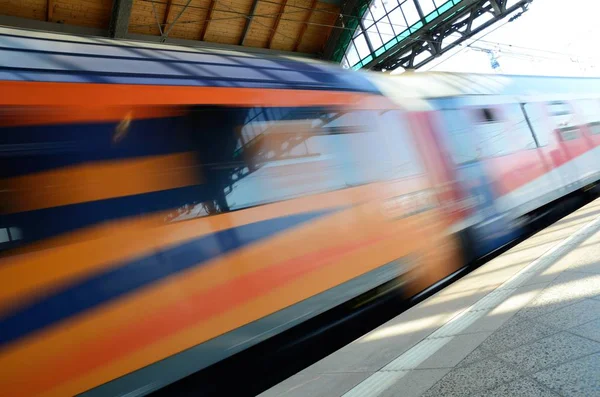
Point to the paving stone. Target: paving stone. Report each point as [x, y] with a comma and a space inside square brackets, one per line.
[587, 266]
[576, 378]
[570, 286]
[589, 330]
[552, 350]
[567, 289]
[415, 383]
[514, 335]
[522, 387]
[463, 381]
[573, 315]
[503, 314]
[476, 355]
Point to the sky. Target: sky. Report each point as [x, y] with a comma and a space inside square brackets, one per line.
[554, 37]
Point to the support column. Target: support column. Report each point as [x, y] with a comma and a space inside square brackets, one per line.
[119, 20]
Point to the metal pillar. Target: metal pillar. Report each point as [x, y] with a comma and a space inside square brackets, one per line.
[119, 19]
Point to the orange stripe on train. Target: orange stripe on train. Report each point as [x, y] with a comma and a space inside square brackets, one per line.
[170, 318]
[67, 258]
[99, 181]
[25, 93]
[35, 115]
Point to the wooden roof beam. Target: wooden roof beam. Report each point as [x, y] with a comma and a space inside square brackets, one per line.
[313, 5]
[276, 25]
[211, 9]
[166, 18]
[49, 10]
[248, 22]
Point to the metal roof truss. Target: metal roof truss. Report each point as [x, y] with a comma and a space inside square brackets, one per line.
[449, 30]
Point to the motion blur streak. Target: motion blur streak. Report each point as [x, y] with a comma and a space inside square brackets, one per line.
[67, 94]
[154, 225]
[81, 113]
[99, 181]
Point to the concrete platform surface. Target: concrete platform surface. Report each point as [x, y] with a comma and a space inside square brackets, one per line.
[525, 324]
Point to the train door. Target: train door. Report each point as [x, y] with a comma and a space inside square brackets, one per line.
[512, 154]
[439, 166]
[486, 225]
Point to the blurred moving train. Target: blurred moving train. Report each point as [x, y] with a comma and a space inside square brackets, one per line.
[164, 208]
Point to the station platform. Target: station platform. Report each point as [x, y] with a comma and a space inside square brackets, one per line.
[527, 323]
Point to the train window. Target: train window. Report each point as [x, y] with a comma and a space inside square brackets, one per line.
[4, 235]
[569, 133]
[290, 153]
[537, 121]
[487, 115]
[354, 146]
[594, 128]
[559, 109]
[490, 135]
[590, 113]
[496, 132]
[562, 117]
[10, 234]
[374, 146]
[235, 157]
[517, 129]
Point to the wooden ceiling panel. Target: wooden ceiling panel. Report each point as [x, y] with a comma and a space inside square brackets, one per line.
[307, 16]
[190, 24]
[289, 25]
[262, 24]
[30, 9]
[142, 18]
[91, 13]
[227, 21]
[313, 40]
[318, 28]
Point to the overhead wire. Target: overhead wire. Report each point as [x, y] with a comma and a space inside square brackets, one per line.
[273, 15]
[466, 46]
[250, 19]
[242, 15]
[301, 9]
[543, 51]
[318, 10]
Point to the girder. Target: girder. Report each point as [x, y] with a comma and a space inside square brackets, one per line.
[411, 33]
[430, 43]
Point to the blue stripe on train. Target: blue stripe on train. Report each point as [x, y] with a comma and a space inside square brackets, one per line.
[135, 274]
[34, 59]
[29, 149]
[49, 222]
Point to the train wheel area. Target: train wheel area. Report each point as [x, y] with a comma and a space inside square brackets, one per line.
[526, 322]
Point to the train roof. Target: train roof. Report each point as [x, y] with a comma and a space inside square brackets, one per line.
[445, 84]
[36, 56]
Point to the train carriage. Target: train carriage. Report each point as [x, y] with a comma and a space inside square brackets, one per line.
[165, 209]
[515, 143]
